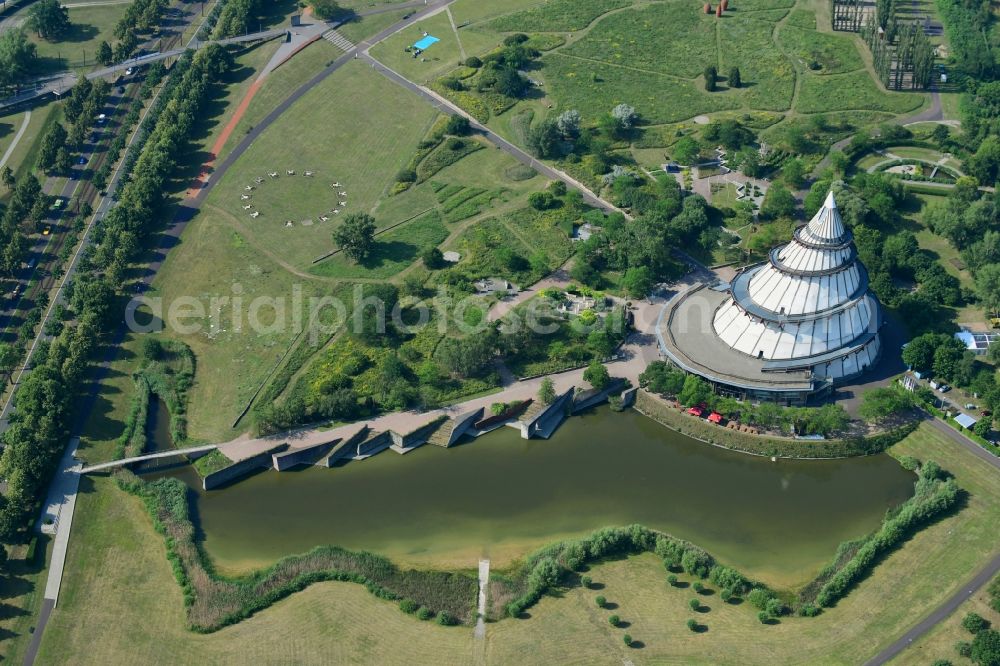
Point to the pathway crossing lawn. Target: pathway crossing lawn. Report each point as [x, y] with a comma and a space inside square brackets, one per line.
[26, 146]
[9, 126]
[213, 260]
[121, 604]
[281, 83]
[91, 26]
[854, 91]
[595, 88]
[359, 140]
[441, 57]
[234, 87]
[366, 26]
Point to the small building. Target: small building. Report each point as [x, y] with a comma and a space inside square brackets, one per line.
[966, 421]
[977, 343]
[496, 286]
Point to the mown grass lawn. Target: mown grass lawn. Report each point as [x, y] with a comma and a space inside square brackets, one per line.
[852, 91]
[78, 49]
[440, 57]
[359, 141]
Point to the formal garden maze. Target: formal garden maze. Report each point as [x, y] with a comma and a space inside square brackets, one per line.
[294, 197]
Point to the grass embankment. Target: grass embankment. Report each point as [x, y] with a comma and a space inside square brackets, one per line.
[215, 602]
[167, 371]
[698, 428]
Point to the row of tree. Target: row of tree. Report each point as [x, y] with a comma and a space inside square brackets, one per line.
[141, 17]
[81, 111]
[665, 379]
[237, 17]
[46, 399]
[902, 55]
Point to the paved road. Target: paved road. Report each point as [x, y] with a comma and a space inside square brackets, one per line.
[984, 576]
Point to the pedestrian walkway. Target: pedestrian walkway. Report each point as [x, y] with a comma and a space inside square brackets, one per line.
[484, 578]
[338, 40]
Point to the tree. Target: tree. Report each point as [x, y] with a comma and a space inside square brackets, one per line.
[48, 19]
[53, 140]
[597, 375]
[794, 172]
[686, 150]
[324, 9]
[545, 140]
[637, 281]
[974, 623]
[879, 404]
[692, 624]
[947, 358]
[940, 134]
[7, 177]
[547, 394]
[614, 620]
[986, 648]
[627, 639]
[568, 123]
[711, 78]
[988, 286]
[432, 258]
[458, 125]
[467, 357]
[624, 116]
[17, 57]
[778, 202]
[356, 236]
[600, 601]
[8, 357]
[734, 80]
[105, 55]
[695, 392]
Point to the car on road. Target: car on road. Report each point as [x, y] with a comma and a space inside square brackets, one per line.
[58, 203]
[46, 231]
[102, 118]
[130, 71]
[82, 160]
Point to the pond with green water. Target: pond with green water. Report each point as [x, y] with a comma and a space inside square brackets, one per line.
[500, 496]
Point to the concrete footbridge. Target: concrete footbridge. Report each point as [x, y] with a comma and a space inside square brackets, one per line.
[60, 84]
[205, 448]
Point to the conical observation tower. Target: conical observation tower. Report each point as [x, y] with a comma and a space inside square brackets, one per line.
[806, 313]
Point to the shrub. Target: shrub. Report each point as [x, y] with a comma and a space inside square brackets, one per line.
[473, 61]
[692, 624]
[425, 613]
[446, 619]
[964, 649]
[775, 608]
[614, 620]
[672, 579]
[759, 597]
[725, 595]
[974, 623]
[695, 604]
[454, 143]
[627, 639]
[600, 601]
[698, 587]
[458, 125]
[408, 606]
[763, 617]
[585, 581]
[406, 176]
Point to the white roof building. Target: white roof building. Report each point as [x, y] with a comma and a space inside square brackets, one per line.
[806, 313]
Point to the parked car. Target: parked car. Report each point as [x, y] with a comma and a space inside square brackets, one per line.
[944, 388]
[46, 231]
